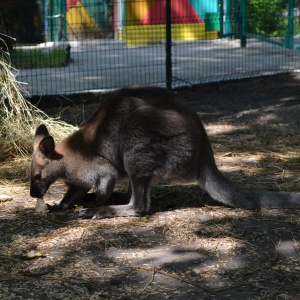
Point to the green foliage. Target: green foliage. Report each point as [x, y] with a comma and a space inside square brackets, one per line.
[266, 17]
[38, 58]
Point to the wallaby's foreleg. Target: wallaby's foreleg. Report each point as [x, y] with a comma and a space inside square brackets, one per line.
[73, 195]
[104, 190]
[139, 203]
[117, 198]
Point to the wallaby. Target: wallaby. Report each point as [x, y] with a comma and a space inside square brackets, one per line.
[143, 133]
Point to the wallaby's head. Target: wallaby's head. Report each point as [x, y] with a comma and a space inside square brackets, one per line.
[42, 170]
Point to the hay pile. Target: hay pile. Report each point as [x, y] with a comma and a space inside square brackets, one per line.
[19, 118]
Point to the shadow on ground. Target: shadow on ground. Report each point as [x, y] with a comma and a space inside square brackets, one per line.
[209, 252]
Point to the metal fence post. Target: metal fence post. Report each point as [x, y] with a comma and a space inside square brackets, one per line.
[168, 46]
[45, 21]
[222, 13]
[243, 22]
[64, 19]
[289, 39]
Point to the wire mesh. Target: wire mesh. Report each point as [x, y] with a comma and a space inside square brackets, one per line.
[92, 45]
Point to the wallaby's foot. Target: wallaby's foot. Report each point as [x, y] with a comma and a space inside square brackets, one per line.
[109, 211]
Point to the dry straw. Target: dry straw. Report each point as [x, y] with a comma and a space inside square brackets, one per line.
[18, 117]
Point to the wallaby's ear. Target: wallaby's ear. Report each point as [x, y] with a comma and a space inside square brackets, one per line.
[47, 146]
[41, 131]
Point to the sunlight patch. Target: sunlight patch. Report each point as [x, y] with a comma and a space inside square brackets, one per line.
[214, 129]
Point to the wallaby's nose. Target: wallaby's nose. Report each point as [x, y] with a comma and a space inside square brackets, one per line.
[34, 193]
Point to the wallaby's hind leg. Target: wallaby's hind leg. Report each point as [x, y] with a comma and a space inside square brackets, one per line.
[138, 205]
[140, 200]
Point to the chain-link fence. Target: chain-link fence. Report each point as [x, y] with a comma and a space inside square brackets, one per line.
[68, 46]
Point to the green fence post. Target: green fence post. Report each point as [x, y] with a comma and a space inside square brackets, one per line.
[289, 39]
[124, 16]
[53, 20]
[222, 14]
[227, 20]
[50, 22]
[64, 19]
[168, 46]
[243, 22]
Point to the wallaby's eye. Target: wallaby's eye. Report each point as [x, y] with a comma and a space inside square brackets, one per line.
[37, 177]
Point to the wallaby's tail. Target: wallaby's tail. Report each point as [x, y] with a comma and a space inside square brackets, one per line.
[226, 192]
[223, 190]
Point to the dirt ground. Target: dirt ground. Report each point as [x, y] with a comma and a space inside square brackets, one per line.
[189, 248]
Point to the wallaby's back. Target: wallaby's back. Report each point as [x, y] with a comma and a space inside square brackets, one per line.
[161, 133]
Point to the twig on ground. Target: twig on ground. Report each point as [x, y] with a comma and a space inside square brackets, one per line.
[148, 284]
[204, 288]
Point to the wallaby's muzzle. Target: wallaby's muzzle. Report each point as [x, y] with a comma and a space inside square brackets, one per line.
[37, 191]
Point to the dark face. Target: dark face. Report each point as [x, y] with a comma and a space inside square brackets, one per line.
[42, 169]
[41, 177]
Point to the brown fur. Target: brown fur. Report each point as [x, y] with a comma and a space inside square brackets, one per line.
[142, 133]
